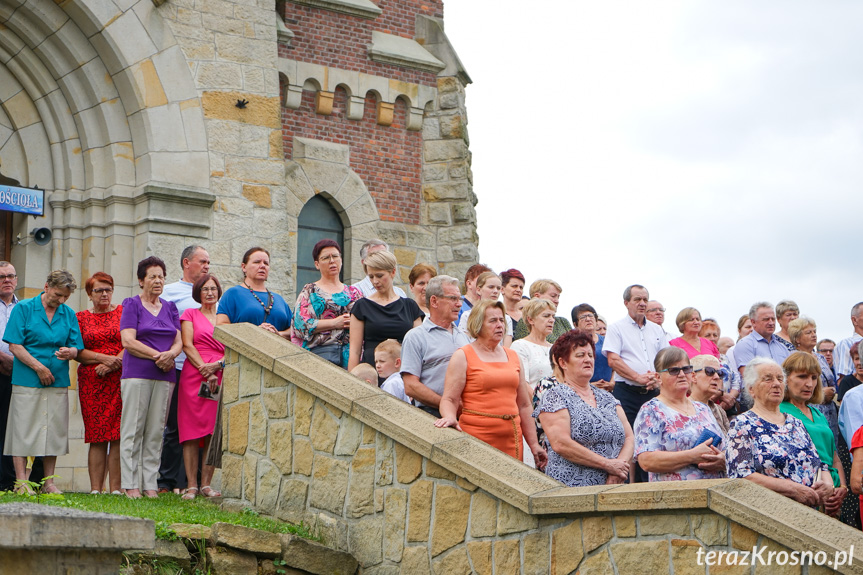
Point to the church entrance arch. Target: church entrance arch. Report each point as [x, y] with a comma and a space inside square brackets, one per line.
[317, 221]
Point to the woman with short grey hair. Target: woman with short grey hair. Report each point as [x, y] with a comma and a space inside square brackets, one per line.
[43, 335]
[771, 448]
[786, 312]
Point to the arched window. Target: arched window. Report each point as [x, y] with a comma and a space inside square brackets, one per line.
[318, 220]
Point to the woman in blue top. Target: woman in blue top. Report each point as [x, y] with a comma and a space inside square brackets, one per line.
[43, 336]
[584, 318]
[251, 301]
[150, 332]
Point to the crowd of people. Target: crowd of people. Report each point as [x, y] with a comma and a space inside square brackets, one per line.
[598, 403]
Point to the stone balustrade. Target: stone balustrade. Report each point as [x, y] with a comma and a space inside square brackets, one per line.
[306, 441]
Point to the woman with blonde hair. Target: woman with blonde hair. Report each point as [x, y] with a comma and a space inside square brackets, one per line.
[383, 315]
[804, 336]
[550, 290]
[533, 349]
[488, 286]
[487, 380]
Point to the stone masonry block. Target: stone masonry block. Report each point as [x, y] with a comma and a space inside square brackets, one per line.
[238, 428]
[329, 484]
[419, 510]
[452, 506]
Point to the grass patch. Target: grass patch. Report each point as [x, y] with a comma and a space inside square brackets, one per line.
[165, 511]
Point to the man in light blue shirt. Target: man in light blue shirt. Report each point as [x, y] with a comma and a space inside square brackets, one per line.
[760, 343]
[8, 284]
[195, 262]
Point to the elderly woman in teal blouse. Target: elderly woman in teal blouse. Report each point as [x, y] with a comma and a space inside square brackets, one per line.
[43, 336]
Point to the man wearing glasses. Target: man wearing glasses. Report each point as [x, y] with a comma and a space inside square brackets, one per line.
[8, 284]
[825, 347]
[631, 345]
[428, 348]
[656, 313]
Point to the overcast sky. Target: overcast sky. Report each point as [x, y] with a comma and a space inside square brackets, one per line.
[708, 150]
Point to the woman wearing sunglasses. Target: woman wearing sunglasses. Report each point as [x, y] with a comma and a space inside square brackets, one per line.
[677, 438]
[707, 386]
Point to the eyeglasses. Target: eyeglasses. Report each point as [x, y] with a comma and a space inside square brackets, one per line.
[330, 258]
[675, 371]
[449, 297]
[585, 316]
[103, 290]
[825, 351]
[8, 277]
[711, 371]
[772, 378]
[656, 309]
[210, 289]
[154, 278]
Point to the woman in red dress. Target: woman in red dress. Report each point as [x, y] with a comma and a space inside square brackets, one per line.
[99, 381]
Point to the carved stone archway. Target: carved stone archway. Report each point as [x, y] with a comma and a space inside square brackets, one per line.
[323, 168]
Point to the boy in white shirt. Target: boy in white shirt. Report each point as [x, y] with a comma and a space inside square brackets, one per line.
[388, 363]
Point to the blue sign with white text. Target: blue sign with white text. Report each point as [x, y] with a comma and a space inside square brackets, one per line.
[22, 200]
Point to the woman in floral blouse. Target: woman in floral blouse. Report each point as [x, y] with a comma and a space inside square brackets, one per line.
[323, 312]
[672, 432]
[772, 448]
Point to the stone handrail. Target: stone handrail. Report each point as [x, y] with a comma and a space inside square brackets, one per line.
[377, 453]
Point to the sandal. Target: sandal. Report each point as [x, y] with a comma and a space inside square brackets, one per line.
[50, 488]
[24, 489]
[208, 491]
[190, 493]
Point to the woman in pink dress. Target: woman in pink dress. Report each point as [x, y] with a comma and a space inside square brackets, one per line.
[201, 376]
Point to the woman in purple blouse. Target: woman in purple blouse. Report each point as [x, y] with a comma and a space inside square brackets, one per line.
[150, 331]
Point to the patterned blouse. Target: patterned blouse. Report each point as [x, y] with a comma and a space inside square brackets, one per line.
[599, 429]
[784, 451]
[661, 428]
[315, 304]
[539, 391]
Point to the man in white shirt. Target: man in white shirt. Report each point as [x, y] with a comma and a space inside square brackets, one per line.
[365, 284]
[842, 355]
[631, 345]
[195, 262]
[8, 284]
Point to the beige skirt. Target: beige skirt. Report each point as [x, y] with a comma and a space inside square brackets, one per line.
[38, 422]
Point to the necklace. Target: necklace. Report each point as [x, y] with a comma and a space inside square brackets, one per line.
[268, 306]
[688, 410]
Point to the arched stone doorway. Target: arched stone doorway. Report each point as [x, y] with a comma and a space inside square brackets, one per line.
[323, 169]
[98, 107]
[317, 221]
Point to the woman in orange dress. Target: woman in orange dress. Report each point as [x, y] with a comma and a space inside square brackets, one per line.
[489, 381]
